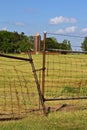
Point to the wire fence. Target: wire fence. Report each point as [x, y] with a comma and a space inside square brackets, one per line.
[28, 83]
[65, 75]
[75, 40]
[18, 89]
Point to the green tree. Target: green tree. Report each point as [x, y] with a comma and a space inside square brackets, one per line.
[31, 42]
[84, 44]
[51, 43]
[11, 42]
[65, 45]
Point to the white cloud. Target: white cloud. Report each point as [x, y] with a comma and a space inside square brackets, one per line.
[61, 19]
[70, 29]
[19, 24]
[60, 31]
[66, 30]
[84, 30]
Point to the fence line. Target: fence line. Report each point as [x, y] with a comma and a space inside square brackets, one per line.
[65, 74]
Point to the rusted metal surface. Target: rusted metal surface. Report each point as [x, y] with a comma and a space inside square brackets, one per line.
[68, 98]
[44, 60]
[38, 85]
[19, 88]
[14, 57]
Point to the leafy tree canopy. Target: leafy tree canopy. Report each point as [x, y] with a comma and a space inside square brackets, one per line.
[11, 42]
[84, 44]
[52, 44]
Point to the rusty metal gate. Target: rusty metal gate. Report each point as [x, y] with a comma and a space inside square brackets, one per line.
[20, 91]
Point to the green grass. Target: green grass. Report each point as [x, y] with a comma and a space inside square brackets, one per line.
[54, 121]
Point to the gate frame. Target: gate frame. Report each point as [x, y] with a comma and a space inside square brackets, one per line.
[30, 60]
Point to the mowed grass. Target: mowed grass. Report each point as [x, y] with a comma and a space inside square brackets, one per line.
[60, 120]
[54, 121]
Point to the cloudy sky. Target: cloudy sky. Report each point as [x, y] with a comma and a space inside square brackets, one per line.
[37, 16]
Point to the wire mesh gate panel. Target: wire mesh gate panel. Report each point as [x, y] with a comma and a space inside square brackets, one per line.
[18, 91]
[65, 76]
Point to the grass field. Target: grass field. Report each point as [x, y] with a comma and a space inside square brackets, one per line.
[55, 121]
[66, 73]
[18, 92]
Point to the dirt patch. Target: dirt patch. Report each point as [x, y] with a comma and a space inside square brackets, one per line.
[63, 107]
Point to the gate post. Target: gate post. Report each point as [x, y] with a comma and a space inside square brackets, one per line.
[38, 85]
[44, 60]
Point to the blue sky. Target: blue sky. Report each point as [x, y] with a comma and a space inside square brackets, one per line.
[37, 16]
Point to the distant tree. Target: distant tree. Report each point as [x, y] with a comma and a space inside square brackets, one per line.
[65, 45]
[84, 44]
[31, 41]
[31, 38]
[51, 43]
[11, 42]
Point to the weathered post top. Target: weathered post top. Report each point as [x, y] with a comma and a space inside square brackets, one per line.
[37, 39]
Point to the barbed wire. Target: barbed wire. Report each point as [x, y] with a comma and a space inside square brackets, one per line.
[66, 35]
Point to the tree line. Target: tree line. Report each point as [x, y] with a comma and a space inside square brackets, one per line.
[13, 42]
